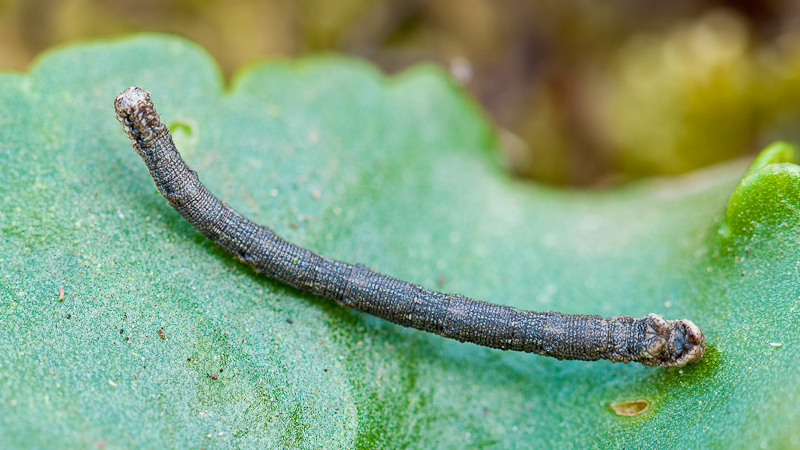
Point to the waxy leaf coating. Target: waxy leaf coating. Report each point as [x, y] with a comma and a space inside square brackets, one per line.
[401, 174]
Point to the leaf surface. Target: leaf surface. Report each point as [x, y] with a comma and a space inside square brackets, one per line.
[401, 174]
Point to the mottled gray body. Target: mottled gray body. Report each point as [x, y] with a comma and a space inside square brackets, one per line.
[650, 340]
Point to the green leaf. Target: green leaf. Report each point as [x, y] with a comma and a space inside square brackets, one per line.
[400, 174]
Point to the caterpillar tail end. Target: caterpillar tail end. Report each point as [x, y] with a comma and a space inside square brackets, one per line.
[671, 343]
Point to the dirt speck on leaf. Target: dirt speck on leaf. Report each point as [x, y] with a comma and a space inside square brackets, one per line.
[630, 408]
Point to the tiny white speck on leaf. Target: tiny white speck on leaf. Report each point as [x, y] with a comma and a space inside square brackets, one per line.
[112, 383]
[776, 344]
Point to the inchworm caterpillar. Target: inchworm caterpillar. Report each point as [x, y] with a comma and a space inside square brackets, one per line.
[650, 340]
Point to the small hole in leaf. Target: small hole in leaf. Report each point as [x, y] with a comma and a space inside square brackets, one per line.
[184, 136]
[180, 127]
[630, 408]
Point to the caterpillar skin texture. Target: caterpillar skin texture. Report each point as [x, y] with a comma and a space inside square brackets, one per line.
[650, 340]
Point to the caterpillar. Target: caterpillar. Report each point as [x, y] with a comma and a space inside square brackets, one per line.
[650, 340]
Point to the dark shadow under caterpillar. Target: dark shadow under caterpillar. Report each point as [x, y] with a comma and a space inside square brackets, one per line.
[650, 340]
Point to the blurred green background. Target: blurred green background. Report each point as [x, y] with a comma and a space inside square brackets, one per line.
[583, 93]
